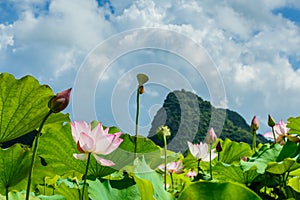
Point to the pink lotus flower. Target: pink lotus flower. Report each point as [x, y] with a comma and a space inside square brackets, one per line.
[280, 131]
[173, 167]
[191, 174]
[201, 152]
[211, 137]
[96, 141]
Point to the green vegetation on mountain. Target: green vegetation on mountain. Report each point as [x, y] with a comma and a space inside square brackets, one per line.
[189, 117]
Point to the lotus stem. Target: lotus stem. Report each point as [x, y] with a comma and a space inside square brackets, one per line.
[274, 134]
[137, 120]
[6, 192]
[165, 172]
[35, 147]
[254, 140]
[198, 168]
[85, 175]
[210, 168]
[172, 182]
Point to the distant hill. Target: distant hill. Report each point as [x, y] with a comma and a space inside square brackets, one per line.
[189, 117]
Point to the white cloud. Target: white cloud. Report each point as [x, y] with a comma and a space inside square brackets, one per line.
[56, 40]
[152, 93]
[6, 39]
[281, 3]
[249, 44]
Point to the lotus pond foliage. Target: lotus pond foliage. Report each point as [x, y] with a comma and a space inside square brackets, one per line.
[88, 160]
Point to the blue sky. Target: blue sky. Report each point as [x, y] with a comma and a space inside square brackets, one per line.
[252, 48]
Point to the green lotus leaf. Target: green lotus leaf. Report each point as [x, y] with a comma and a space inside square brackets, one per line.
[232, 152]
[289, 150]
[104, 191]
[143, 171]
[52, 197]
[296, 172]
[145, 145]
[153, 154]
[14, 166]
[267, 153]
[23, 105]
[62, 188]
[294, 124]
[42, 169]
[287, 165]
[70, 190]
[145, 187]
[234, 173]
[216, 191]
[295, 183]
[16, 195]
[55, 120]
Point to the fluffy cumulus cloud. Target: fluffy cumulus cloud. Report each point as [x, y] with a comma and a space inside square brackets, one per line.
[255, 50]
[52, 37]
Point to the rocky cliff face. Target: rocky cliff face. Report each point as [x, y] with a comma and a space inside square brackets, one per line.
[189, 117]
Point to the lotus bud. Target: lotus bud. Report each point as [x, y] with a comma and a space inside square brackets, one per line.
[60, 101]
[271, 121]
[254, 124]
[245, 159]
[211, 136]
[219, 147]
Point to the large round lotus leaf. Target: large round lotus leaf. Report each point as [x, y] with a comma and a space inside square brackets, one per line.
[287, 165]
[14, 166]
[266, 154]
[232, 151]
[104, 191]
[294, 125]
[23, 105]
[217, 191]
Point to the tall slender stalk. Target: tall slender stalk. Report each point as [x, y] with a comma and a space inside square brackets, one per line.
[210, 168]
[6, 192]
[254, 140]
[274, 134]
[85, 175]
[172, 182]
[137, 120]
[219, 149]
[198, 168]
[165, 172]
[35, 147]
